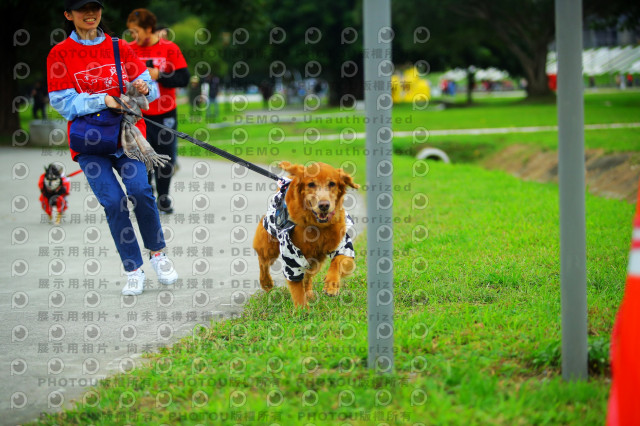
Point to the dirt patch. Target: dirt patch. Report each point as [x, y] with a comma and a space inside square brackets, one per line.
[607, 175]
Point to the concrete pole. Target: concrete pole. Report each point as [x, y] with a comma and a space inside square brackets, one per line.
[573, 270]
[378, 104]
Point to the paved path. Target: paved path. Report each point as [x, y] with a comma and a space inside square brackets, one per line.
[64, 324]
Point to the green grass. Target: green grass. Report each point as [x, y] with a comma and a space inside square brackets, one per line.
[616, 107]
[477, 307]
[466, 148]
[622, 107]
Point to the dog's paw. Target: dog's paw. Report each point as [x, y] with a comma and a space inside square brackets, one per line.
[331, 288]
[266, 285]
[310, 295]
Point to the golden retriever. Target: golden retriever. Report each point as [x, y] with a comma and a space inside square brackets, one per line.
[315, 227]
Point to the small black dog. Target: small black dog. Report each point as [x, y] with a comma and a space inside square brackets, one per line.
[54, 188]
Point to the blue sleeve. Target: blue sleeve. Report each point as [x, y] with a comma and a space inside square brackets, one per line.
[154, 91]
[71, 104]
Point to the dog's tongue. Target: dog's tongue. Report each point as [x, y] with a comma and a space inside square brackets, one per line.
[325, 217]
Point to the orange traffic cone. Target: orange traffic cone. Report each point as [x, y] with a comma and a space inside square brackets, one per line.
[625, 343]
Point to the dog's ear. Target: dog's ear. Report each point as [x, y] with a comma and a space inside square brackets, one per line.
[292, 169]
[347, 179]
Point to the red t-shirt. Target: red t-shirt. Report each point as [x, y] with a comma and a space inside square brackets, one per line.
[167, 57]
[91, 69]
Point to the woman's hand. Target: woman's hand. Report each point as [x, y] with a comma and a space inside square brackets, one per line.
[142, 87]
[154, 73]
[111, 103]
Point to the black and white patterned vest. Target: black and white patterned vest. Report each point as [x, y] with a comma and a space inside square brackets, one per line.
[278, 224]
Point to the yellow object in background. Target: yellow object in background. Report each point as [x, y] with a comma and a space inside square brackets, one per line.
[409, 87]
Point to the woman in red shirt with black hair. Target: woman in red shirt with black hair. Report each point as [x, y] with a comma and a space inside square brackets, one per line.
[82, 79]
[168, 68]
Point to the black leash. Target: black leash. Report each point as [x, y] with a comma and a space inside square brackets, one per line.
[201, 144]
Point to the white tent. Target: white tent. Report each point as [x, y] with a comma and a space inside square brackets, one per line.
[603, 60]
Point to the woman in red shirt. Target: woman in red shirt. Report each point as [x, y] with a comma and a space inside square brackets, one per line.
[82, 79]
[167, 66]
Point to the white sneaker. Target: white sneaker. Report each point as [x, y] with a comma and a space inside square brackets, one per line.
[134, 284]
[167, 275]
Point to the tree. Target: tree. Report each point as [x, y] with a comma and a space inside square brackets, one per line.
[323, 40]
[200, 47]
[510, 35]
[229, 15]
[518, 34]
[434, 34]
[306, 38]
[526, 28]
[620, 14]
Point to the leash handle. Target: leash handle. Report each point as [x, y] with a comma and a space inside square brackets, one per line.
[202, 144]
